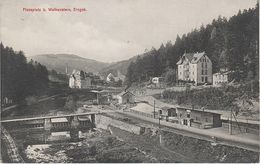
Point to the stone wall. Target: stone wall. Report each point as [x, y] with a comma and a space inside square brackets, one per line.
[104, 122]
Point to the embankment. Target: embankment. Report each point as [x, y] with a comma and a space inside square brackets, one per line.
[175, 147]
[205, 151]
[104, 122]
[10, 147]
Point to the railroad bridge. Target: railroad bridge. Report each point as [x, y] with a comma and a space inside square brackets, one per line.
[47, 122]
[55, 123]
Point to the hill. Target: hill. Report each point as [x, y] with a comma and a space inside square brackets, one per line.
[230, 43]
[117, 66]
[121, 66]
[59, 62]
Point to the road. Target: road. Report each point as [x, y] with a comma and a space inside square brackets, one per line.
[159, 104]
[222, 138]
[246, 141]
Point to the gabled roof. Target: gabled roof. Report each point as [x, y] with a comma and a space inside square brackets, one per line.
[192, 57]
[124, 93]
[198, 110]
[110, 75]
[197, 56]
[189, 56]
[166, 108]
[224, 73]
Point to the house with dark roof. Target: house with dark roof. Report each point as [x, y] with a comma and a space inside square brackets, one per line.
[198, 118]
[112, 78]
[125, 97]
[195, 67]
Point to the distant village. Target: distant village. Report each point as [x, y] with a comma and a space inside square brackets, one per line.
[193, 68]
[82, 80]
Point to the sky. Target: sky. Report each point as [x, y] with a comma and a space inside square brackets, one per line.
[109, 30]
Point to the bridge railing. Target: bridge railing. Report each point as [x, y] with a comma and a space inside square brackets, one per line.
[27, 116]
[47, 115]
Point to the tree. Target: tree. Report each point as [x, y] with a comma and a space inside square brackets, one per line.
[19, 78]
[226, 43]
[170, 76]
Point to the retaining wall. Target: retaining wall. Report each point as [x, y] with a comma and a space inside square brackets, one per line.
[104, 122]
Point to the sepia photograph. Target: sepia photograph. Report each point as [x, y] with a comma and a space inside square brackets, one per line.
[129, 81]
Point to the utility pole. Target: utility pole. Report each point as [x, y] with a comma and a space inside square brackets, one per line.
[160, 134]
[97, 98]
[154, 109]
[159, 120]
[230, 122]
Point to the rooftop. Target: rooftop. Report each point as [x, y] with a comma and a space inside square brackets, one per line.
[57, 120]
[192, 57]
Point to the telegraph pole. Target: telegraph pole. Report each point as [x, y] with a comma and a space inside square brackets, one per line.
[154, 109]
[97, 98]
[160, 134]
[230, 122]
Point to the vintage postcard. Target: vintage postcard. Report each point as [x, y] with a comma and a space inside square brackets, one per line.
[129, 81]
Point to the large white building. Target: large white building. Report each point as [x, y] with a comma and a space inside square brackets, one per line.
[195, 67]
[79, 79]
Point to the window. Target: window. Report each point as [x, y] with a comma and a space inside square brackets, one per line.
[202, 71]
[206, 119]
[202, 79]
[206, 72]
[188, 115]
[206, 79]
[202, 65]
[206, 65]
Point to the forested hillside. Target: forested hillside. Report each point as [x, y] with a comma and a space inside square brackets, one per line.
[20, 78]
[231, 44]
[59, 62]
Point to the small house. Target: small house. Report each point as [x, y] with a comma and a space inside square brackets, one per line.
[198, 118]
[110, 78]
[125, 97]
[168, 113]
[158, 81]
[221, 78]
